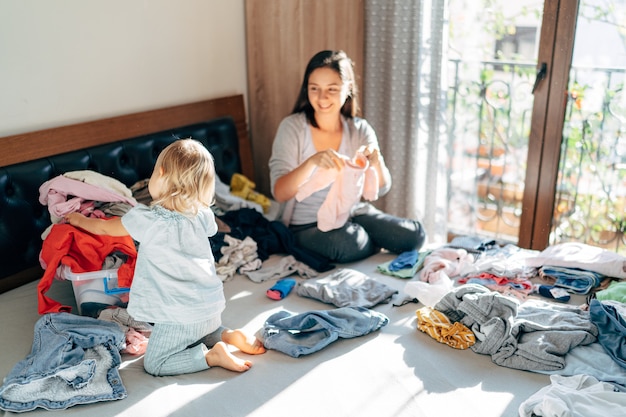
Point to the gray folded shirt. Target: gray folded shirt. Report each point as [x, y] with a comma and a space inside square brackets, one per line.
[347, 288]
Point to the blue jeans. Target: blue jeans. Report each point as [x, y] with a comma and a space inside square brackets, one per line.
[67, 362]
[302, 334]
[574, 280]
[610, 318]
[364, 234]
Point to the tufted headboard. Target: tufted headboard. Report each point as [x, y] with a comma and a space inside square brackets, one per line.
[123, 147]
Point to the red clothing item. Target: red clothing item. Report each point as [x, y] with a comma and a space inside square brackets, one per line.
[82, 252]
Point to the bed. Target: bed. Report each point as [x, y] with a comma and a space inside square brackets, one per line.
[394, 371]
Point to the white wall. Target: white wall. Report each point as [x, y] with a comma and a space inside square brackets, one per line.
[68, 61]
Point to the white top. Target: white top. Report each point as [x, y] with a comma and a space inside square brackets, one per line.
[175, 279]
[583, 256]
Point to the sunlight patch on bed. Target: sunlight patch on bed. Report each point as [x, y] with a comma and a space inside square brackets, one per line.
[240, 295]
[391, 388]
[126, 362]
[470, 401]
[168, 400]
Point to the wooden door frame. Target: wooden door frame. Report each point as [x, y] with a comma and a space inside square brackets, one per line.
[281, 37]
[544, 143]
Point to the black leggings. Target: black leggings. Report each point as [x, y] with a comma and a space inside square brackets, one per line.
[363, 235]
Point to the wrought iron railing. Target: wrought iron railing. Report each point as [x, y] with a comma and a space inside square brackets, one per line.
[591, 195]
[489, 111]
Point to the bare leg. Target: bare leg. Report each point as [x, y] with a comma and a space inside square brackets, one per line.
[245, 343]
[219, 355]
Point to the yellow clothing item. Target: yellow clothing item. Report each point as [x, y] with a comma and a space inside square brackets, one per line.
[438, 326]
[241, 186]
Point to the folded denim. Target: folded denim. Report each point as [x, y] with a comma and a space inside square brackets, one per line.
[309, 332]
[574, 280]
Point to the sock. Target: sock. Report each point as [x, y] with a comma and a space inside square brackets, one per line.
[281, 289]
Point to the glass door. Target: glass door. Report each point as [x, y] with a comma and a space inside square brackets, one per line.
[537, 120]
[493, 85]
[590, 197]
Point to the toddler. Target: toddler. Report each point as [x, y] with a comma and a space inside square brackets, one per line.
[175, 285]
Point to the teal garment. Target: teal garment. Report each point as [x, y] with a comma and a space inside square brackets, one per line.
[616, 291]
[175, 279]
[408, 272]
[400, 273]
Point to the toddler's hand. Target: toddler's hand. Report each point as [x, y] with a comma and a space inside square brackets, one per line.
[73, 218]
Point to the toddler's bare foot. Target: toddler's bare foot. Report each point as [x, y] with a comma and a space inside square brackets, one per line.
[245, 343]
[219, 355]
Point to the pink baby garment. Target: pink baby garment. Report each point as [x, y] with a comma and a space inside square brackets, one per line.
[357, 179]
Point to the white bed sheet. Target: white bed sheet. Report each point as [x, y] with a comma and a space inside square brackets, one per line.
[396, 371]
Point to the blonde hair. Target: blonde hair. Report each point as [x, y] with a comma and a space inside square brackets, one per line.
[188, 177]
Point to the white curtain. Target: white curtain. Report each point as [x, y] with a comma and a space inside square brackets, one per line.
[404, 98]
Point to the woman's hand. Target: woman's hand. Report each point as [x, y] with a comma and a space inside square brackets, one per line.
[286, 186]
[328, 159]
[371, 153]
[376, 161]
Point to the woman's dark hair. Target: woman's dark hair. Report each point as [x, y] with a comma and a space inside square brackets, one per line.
[338, 61]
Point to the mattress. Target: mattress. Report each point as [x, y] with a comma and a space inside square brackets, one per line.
[394, 371]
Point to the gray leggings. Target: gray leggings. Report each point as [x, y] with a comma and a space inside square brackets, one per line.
[362, 236]
[176, 349]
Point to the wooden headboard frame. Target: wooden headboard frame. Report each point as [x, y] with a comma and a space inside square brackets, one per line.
[40, 144]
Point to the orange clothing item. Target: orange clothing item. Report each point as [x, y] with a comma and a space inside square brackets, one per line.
[357, 179]
[82, 252]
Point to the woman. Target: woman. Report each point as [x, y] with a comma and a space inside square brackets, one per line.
[324, 133]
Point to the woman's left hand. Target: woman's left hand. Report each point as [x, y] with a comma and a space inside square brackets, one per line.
[371, 153]
[375, 158]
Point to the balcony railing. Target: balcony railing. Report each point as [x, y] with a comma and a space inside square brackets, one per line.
[489, 110]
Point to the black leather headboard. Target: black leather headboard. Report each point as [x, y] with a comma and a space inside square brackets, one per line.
[23, 218]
